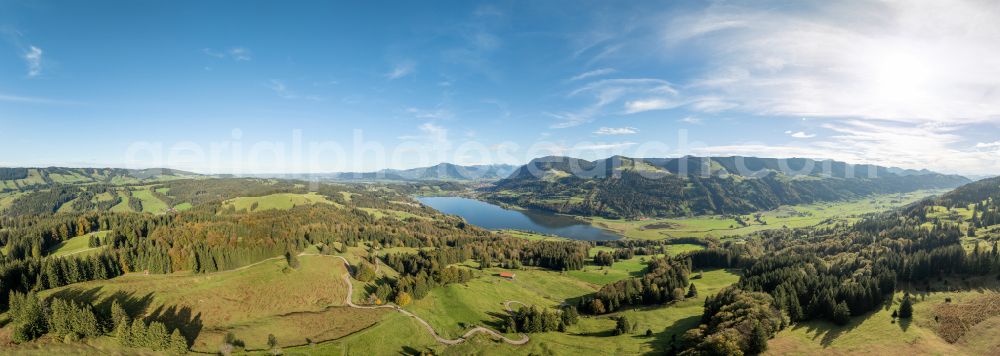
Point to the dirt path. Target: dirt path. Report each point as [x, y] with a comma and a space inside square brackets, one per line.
[479, 329]
[350, 302]
[506, 305]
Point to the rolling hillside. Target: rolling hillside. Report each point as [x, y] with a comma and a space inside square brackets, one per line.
[631, 188]
[24, 179]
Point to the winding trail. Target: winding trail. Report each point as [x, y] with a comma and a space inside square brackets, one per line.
[350, 303]
[479, 329]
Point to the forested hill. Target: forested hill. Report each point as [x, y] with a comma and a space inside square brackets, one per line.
[21, 179]
[982, 191]
[626, 187]
[973, 206]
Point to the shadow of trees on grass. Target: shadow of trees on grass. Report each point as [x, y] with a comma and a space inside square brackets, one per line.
[173, 317]
[670, 338]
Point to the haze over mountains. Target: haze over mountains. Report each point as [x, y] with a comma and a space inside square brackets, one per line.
[442, 171]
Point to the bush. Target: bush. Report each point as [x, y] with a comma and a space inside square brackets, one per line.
[403, 299]
[365, 273]
[692, 291]
[622, 325]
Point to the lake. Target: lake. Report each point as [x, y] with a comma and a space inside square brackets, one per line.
[494, 217]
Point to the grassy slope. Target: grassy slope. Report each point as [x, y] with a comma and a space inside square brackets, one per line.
[282, 201]
[123, 205]
[528, 235]
[253, 302]
[76, 246]
[601, 275]
[150, 203]
[261, 300]
[7, 199]
[875, 333]
[396, 214]
[447, 307]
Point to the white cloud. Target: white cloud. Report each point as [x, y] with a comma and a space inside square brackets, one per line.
[571, 119]
[636, 106]
[710, 104]
[910, 61]
[767, 150]
[593, 73]
[994, 144]
[34, 59]
[238, 54]
[881, 142]
[691, 120]
[281, 89]
[655, 93]
[616, 131]
[433, 114]
[799, 134]
[602, 146]
[432, 136]
[32, 100]
[401, 69]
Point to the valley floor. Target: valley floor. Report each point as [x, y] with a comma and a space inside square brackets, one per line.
[795, 216]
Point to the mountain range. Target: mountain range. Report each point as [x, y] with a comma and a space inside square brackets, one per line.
[623, 187]
[442, 171]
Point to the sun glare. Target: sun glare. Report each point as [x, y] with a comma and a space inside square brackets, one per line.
[899, 77]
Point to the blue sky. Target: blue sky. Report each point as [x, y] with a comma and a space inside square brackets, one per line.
[266, 86]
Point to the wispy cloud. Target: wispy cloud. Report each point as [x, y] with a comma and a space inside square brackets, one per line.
[281, 89]
[593, 73]
[636, 106]
[691, 120]
[34, 59]
[829, 62]
[655, 94]
[401, 69]
[567, 119]
[994, 144]
[604, 146]
[433, 114]
[431, 136]
[33, 100]
[477, 41]
[501, 106]
[882, 142]
[799, 134]
[238, 54]
[616, 131]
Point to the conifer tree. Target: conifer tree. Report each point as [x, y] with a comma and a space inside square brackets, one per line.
[906, 307]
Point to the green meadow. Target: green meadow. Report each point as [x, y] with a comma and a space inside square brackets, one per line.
[878, 333]
[298, 306]
[77, 246]
[455, 308]
[281, 201]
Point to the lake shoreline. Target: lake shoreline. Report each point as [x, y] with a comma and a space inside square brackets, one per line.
[496, 217]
